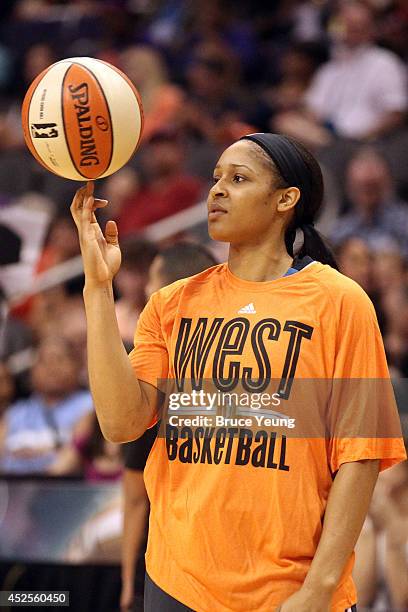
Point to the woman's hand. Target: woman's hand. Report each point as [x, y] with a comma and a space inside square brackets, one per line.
[307, 601]
[100, 252]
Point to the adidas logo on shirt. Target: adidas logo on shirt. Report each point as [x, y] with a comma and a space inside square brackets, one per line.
[248, 309]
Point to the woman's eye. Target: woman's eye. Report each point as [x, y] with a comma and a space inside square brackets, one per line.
[237, 178]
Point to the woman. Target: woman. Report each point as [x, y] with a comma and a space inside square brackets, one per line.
[241, 521]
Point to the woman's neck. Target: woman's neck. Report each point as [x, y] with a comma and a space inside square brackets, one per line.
[259, 264]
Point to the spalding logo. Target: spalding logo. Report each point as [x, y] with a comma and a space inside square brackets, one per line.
[85, 108]
[89, 153]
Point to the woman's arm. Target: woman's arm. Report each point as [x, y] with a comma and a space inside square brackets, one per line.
[124, 406]
[346, 510]
[365, 567]
[396, 555]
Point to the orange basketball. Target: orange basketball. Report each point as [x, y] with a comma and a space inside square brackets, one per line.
[82, 118]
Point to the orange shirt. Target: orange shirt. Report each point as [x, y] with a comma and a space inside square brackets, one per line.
[236, 511]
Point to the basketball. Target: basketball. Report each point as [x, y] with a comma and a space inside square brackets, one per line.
[82, 118]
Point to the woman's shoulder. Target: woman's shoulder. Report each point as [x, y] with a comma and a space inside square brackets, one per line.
[341, 289]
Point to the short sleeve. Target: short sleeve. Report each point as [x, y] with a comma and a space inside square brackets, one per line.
[137, 452]
[392, 87]
[149, 357]
[364, 420]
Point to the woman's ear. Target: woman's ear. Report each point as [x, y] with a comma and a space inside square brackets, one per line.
[288, 198]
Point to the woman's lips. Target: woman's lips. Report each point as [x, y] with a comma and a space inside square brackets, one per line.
[214, 214]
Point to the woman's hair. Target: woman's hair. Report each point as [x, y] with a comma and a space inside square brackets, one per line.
[294, 166]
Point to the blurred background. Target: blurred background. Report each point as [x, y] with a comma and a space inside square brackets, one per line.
[331, 73]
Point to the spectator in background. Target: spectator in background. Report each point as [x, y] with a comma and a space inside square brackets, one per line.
[389, 269]
[167, 189]
[217, 106]
[16, 346]
[377, 215]
[224, 22]
[89, 454]
[36, 59]
[297, 66]
[393, 26]
[119, 188]
[360, 93]
[396, 335]
[101, 460]
[6, 397]
[163, 102]
[16, 163]
[355, 261]
[43, 310]
[212, 79]
[130, 282]
[13, 174]
[15, 335]
[381, 567]
[60, 245]
[46, 309]
[172, 263]
[71, 325]
[177, 261]
[40, 427]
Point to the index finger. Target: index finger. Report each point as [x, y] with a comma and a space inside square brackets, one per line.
[77, 203]
[89, 188]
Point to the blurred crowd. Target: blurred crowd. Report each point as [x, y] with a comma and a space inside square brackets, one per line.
[332, 73]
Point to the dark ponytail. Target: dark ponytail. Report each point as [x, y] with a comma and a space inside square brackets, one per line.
[316, 247]
[295, 166]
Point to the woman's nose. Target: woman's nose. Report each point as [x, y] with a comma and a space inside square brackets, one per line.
[218, 190]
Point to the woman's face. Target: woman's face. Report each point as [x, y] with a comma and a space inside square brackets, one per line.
[242, 204]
